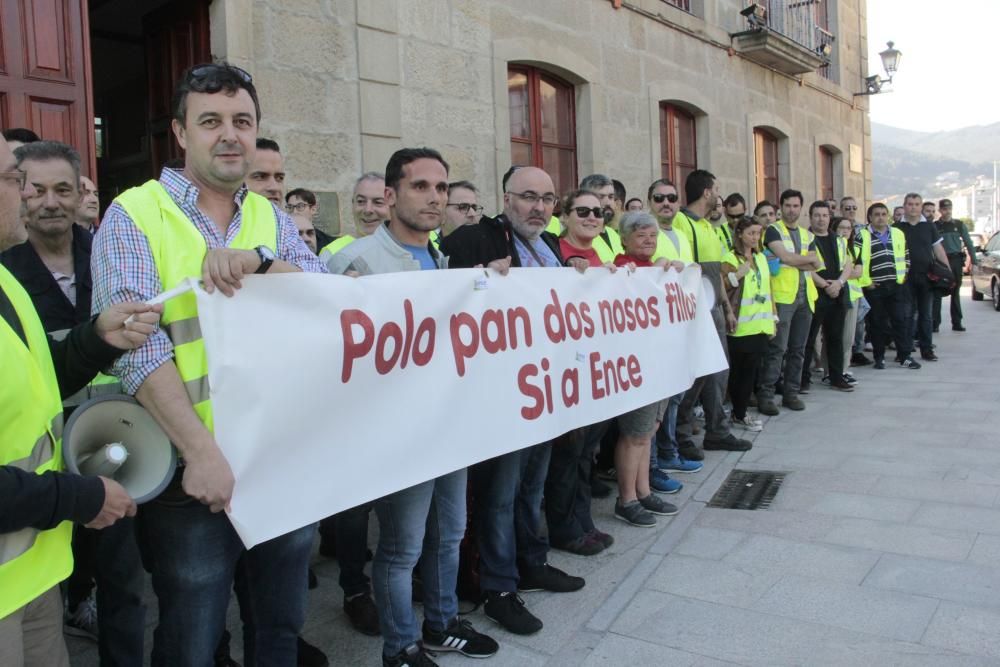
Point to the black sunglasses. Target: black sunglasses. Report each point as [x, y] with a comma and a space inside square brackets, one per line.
[213, 68]
[583, 211]
[658, 198]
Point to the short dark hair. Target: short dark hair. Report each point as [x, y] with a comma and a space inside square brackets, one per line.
[212, 78]
[595, 181]
[308, 196]
[657, 183]
[913, 195]
[507, 174]
[22, 134]
[43, 151]
[819, 204]
[403, 157]
[463, 185]
[873, 207]
[734, 199]
[620, 193]
[789, 194]
[632, 200]
[929, 201]
[761, 204]
[697, 182]
[264, 144]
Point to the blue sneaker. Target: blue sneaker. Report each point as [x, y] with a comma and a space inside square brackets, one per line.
[679, 464]
[660, 482]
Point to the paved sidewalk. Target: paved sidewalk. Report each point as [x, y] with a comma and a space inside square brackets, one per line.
[881, 548]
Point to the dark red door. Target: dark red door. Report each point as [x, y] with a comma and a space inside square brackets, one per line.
[177, 37]
[45, 71]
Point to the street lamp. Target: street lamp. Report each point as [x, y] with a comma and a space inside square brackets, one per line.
[890, 63]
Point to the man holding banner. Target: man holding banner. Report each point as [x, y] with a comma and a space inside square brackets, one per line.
[202, 222]
[424, 522]
[507, 490]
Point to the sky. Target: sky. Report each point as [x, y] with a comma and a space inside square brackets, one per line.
[949, 54]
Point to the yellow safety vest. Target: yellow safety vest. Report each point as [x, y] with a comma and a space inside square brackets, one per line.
[335, 246]
[785, 285]
[31, 561]
[179, 250]
[608, 250]
[898, 239]
[555, 226]
[725, 236]
[666, 248]
[702, 237]
[756, 314]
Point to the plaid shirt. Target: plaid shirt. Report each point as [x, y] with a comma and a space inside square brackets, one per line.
[123, 268]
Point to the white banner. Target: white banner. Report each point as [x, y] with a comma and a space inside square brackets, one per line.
[331, 391]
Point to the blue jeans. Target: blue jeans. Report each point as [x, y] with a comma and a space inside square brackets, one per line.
[426, 523]
[664, 443]
[194, 557]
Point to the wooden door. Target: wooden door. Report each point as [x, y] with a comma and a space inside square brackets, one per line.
[177, 37]
[45, 72]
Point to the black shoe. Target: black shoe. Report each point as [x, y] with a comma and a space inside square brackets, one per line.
[605, 539]
[362, 614]
[879, 365]
[585, 545]
[313, 581]
[928, 356]
[690, 451]
[548, 578]
[413, 655]
[309, 655]
[730, 443]
[507, 609]
[957, 327]
[909, 363]
[599, 489]
[859, 359]
[840, 384]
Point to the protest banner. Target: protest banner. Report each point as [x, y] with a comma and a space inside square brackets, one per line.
[329, 391]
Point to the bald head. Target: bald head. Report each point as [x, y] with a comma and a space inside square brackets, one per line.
[529, 200]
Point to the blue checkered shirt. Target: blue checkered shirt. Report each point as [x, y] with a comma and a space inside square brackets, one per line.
[123, 268]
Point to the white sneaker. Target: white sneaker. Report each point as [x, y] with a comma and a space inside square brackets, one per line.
[748, 424]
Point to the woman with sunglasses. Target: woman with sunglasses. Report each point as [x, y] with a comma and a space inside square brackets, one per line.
[748, 288]
[583, 219]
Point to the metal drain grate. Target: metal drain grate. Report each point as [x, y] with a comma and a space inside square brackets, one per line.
[748, 490]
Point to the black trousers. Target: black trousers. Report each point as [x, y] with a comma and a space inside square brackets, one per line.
[888, 319]
[957, 263]
[829, 316]
[745, 356]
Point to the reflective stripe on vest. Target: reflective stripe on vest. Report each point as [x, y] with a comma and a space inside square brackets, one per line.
[31, 561]
[785, 285]
[334, 247]
[898, 240]
[178, 250]
[756, 315]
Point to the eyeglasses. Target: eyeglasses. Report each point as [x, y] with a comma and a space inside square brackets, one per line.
[296, 208]
[584, 212]
[19, 177]
[208, 70]
[659, 197]
[533, 198]
[465, 208]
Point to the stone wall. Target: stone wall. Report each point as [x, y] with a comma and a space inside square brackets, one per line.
[343, 83]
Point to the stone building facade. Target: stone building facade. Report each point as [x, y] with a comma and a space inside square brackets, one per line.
[344, 83]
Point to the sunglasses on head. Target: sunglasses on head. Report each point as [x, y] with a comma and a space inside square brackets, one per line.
[213, 68]
[583, 211]
[659, 197]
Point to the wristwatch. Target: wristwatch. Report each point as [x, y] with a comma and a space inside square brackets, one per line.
[266, 256]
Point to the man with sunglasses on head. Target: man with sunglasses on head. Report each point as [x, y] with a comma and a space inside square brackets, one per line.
[203, 222]
[507, 490]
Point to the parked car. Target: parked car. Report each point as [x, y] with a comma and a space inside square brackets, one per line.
[979, 241]
[986, 274]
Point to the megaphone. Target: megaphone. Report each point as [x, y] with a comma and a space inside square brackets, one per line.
[115, 437]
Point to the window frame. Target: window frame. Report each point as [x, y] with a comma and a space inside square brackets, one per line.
[534, 141]
[670, 165]
[763, 137]
[826, 175]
